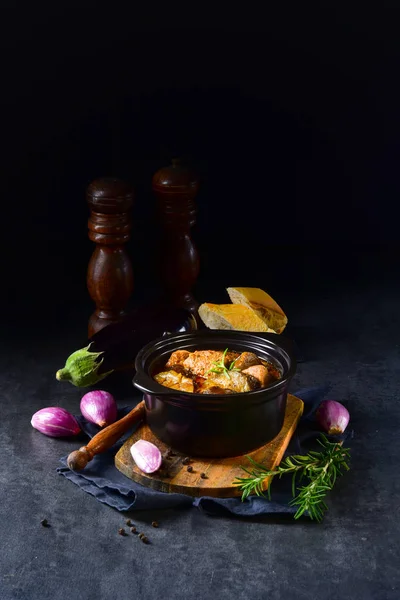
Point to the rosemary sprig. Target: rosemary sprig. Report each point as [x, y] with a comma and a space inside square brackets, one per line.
[219, 366]
[320, 468]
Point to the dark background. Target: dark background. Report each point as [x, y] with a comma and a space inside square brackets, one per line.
[289, 116]
[289, 112]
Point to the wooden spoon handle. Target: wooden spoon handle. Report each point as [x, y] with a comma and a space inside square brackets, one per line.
[106, 438]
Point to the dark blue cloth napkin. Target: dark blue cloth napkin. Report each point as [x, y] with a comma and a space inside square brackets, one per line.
[101, 478]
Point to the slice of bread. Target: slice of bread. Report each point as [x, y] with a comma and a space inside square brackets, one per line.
[261, 304]
[231, 316]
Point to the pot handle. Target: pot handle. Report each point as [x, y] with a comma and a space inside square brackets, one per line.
[141, 382]
[138, 382]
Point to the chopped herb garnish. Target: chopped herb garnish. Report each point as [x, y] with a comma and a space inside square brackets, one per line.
[220, 368]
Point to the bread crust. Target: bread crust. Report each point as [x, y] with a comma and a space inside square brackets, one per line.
[261, 304]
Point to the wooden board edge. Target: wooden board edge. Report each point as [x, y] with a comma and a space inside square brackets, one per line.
[284, 446]
[228, 492]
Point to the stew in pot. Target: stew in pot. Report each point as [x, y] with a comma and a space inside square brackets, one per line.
[216, 372]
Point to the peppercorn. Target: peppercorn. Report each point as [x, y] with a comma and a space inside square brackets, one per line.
[128, 522]
[45, 523]
[141, 535]
[189, 469]
[133, 530]
[155, 524]
[145, 539]
[204, 476]
[121, 531]
[186, 461]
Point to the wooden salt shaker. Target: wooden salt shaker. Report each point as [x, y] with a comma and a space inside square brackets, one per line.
[110, 274]
[175, 188]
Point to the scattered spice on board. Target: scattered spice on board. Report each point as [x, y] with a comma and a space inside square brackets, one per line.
[189, 469]
[45, 523]
[155, 524]
[186, 461]
[121, 531]
[128, 522]
[133, 530]
[204, 476]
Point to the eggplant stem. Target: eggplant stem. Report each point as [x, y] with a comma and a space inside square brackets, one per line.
[63, 375]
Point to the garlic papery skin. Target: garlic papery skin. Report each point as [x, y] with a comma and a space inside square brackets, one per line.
[99, 407]
[147, 456]
[333, 417]
[55, 422]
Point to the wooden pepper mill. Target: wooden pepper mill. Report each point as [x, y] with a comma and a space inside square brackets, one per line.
[175, 188]
[109, 275]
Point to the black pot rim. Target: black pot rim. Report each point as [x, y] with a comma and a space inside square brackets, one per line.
[146, 384]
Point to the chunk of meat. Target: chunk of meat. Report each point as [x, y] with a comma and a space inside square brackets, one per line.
[214, 389]
[235, 381]
[201, 361]
[261, 373]
[175, 380]
[245, 360]
[177, 358]
[274, 371]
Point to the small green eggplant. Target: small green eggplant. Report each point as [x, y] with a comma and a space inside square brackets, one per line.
[81, 368]
[114, 347]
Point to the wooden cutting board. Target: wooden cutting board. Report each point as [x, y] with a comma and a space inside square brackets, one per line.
[174, 477]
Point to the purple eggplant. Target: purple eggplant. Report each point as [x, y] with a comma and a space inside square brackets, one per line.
[114, 347]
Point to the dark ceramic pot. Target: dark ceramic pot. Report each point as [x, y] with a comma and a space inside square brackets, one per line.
[215, 425]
